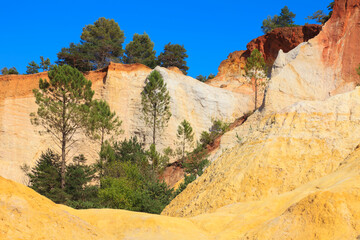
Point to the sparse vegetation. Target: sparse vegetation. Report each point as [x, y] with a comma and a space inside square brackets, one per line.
[174, 56]
[217, 129]
[6, 71]
[185, 138]
[320, 17]
[202, 78]
[255, 69]
[285, 19]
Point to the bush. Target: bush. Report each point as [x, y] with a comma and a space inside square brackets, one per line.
[130, 179]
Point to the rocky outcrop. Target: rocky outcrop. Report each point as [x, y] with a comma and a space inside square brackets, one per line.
[120, 85]
[291, 173]
[286, 39]
[231, 71]
[321, 68]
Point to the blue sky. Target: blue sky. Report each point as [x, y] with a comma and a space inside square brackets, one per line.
[209, 30]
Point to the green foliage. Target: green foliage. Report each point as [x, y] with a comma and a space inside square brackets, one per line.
[130, 179]
[141, 50]
[45, 64]
[6, 71]
[185, 137]
[197, 161]
[103, 41]
[102, 121]
[45, 178]
[63, 102]
[255, 69]
[285, 19]
[319, 16]
[155, 101]
[218, 128]
[202, 78]
[194, 166]
[32, 68]
[174, 56]
[158, 161]
[358, 70]
[78, 177]
[255, 64]
[100, 43]
[77, 56]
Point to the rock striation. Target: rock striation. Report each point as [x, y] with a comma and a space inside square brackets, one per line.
[120, 85]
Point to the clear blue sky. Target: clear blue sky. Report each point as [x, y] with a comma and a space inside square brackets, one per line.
[209, 30]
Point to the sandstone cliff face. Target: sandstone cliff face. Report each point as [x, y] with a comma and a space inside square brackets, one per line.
[231, 71]
[285, 39]
[120, 85]
[294, 167]
[322, 67]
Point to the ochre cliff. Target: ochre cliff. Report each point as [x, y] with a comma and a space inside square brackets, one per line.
[120, 85]
[231, 71]
[291, 171]
[296, 147]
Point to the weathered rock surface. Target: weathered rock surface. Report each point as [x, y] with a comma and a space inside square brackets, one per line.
[293, 173]
[120, 85]
[286, 39]
[231, 71]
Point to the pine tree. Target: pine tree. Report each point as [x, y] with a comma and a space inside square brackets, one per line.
[141, 50]
[45, 64]
[255, 69]
[6, 71]
[174, 56]
[155, 101]
[285, 19]
[185, 137]
[102, 121]
[45, 177]
[62, 105]
[76, 56]
[32, 68]
[103, 41]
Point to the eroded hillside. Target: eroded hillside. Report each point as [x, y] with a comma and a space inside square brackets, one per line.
[293, 172]
[120, 85]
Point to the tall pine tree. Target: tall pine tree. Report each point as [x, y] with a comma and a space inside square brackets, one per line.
[63, 103]
[155, 101]
[255, 69]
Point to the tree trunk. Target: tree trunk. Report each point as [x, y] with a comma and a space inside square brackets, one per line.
[183, 156]
[63, 145]
[63, 162]
[255, 94]
[154, 125]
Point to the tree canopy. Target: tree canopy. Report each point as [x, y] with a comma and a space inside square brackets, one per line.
[285, 19]
[6, 71]
[103, 41]
[141, 50]
[100, 43]
[320, 17]
[32, 68]
[174, 56]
